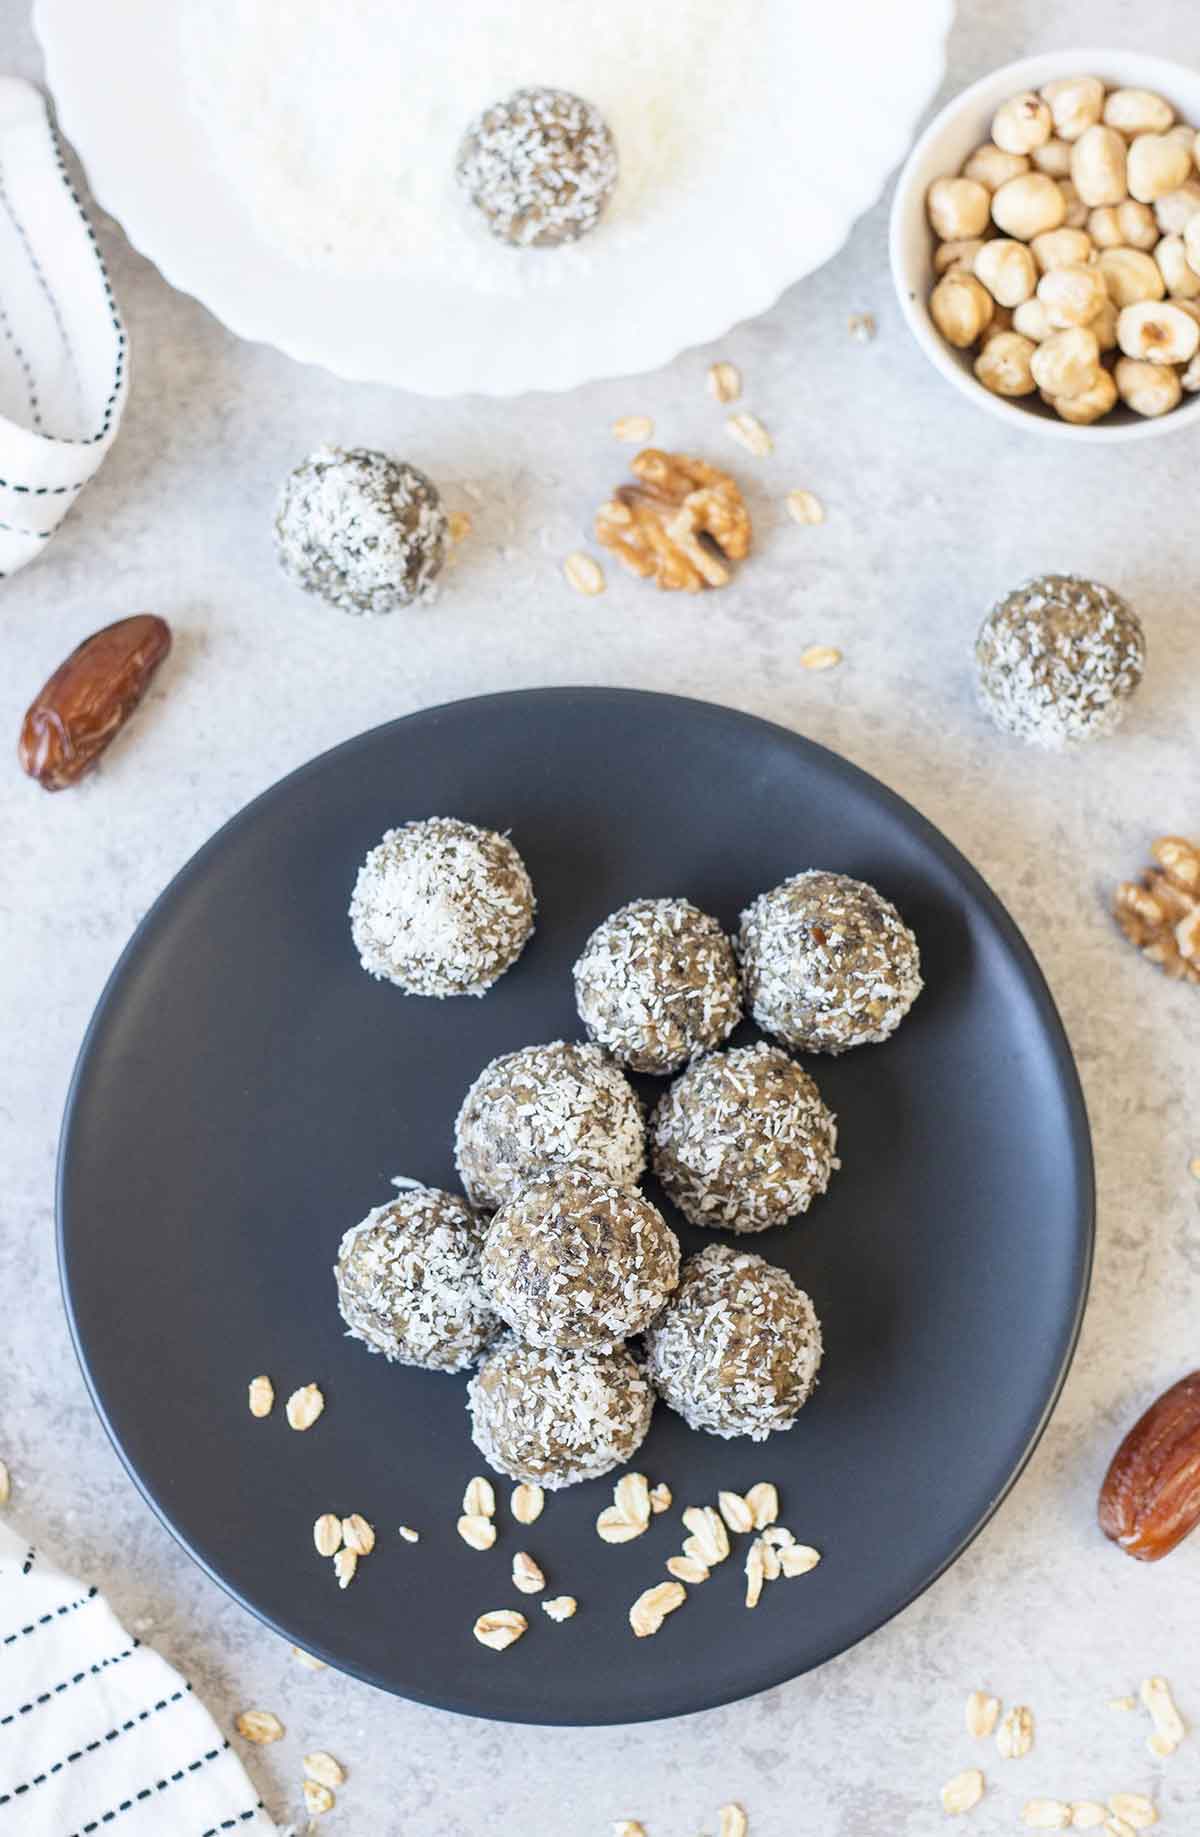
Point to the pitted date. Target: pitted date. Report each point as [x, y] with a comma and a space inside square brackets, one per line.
[89, 698]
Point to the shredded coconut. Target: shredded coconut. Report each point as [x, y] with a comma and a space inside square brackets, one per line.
[409, 1282]
[1058, 660]
[657, 984]
[552, 1418]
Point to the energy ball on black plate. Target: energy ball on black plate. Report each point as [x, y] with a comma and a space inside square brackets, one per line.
[540, 167]
[552, 1418]
[409, 1282]
[559, 1103]
[577, 1263]
[1058, 660]
[657, 984]
[743, 1141]
[365, 532]
[736, 1350]
[827, 963]
[441, 907]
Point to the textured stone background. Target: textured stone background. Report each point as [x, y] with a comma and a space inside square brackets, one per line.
[932, 510]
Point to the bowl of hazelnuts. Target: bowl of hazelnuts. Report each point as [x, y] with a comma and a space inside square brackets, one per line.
[1045, 244]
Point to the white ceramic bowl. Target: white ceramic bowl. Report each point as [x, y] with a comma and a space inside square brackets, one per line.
[948, 140]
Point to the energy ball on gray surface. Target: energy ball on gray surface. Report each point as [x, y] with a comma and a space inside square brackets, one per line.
[736, 1350]
[563, 1103]
[552, 1418]
[577, 1263]
[362, 530]
[743, 1141]
[441, 907]
[539, 166]
[409, 1282]
[657, 984]
[1058, 659]
[827, 963]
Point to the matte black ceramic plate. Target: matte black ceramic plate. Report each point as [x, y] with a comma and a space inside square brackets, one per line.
[245, 1092]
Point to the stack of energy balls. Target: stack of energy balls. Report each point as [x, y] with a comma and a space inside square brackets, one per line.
[555, 1276]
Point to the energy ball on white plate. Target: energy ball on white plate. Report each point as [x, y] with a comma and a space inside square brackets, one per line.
[539, 166]
[552, 1418]
[657, 983]
[827, 962]
[441, 907]
[563, 1103]
[736, 1350]
[362, 530]
[1058, 660]
[743, 1141]
[409, 1282]
[578, 1263]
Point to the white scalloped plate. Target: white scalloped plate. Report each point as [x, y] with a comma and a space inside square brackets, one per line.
[843, 87]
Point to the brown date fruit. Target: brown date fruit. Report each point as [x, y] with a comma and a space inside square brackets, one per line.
[1150, 1498]
[89, 698]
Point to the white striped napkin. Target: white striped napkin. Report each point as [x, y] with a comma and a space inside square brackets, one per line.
[97, 1733]
[63, 359]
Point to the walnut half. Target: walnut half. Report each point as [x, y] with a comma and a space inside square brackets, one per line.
[676, 522]
[1161, 912]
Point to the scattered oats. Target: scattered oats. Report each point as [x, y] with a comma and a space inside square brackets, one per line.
[1168, 1723]
[327, 1534]
[798, 1559]
[317, 1798]
[1161, 1746]
[687, 1569]
[660, 1498]
[628, 1827]
[583, 573]
[734, 1822]
[1014, 1737]
[982, 1712]
[500, 1629]
[1046, 1815]
[459, 525]
[803, 507]
[778, 1535]
[308, 1659]
[324, 1769]
[527, 1502]
[262, 1396]
[304, 1406]
[613, 1526]
[344, 1565]
[963, 1792]
[637, 429]
[6, 1484]
[1122, 1703]
[820, 657]
[763, 1500]
[1135, 1808]
[560, 1607]
[749, 432]
[408, 1534]
[861, 327]
[770, 1560]
[526, 1574]
[755, 1573]
[708, 1528]
[1086, 1814]
[476, 1530]
[653, 1605]
[259, 1726]
[479, 1500]
[724, 382]
[735, 1511]
[358, 1535]
[1194, 1168]
[1117, 1827]
[631, 1496]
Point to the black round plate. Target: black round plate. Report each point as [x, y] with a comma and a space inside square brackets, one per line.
[245, 1092]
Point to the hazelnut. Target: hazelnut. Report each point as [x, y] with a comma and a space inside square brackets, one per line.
[949, 255]
[1191, 242]
[1000, 321]
[1190, 307]
[990, 166]
[1103, 227]
[1105, 326]
[1007, 271]
[1182, 281]
[1156, 166]
[1175, 209]
[1003, 365]
[1061, 249]
[1075, 104]
[1098, 166]
[1149, 389]
[1026, 206]
[1090, 404]
[1138, 111]
[1030, 320]
[1021, 124]
[1130, 276]
[1076, 210]
[957, 208]
[1158, 331]
[1137, 224]
[1066, 363]
[1190, 378]
[1053, 158]
[960, 308]
[1183, 134]
[1073, 295]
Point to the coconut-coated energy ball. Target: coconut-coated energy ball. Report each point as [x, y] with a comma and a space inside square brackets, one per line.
[577, 1263]
[743, 1141]
[1058, 660]
[657, 984]
[441, 907]
[827, 963]
[736, 1349]
[362, 530]
[409, 1282]
[563, 1103]
[551, 1418]
[539, 167]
